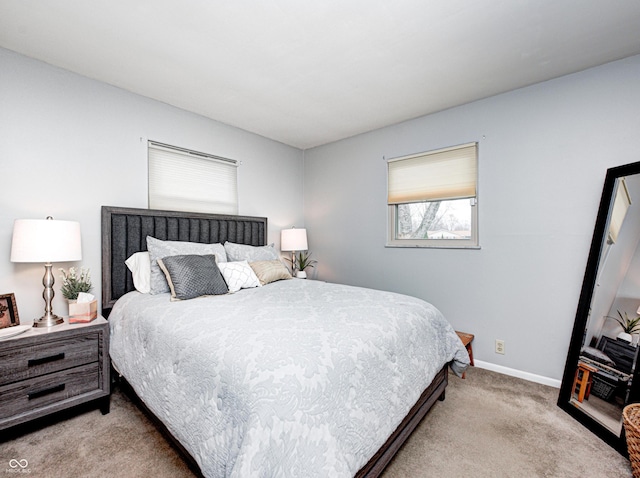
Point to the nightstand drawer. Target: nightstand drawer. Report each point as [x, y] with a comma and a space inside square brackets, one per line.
[48, 389]
[20, 363]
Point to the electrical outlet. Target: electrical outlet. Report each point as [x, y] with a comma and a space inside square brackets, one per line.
[500, 346]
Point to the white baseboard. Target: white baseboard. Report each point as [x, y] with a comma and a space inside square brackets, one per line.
[532, 377]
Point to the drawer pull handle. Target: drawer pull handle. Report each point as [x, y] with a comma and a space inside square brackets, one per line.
[40, 361]
[46, 391]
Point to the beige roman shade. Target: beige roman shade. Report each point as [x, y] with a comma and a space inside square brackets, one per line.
[449, 173]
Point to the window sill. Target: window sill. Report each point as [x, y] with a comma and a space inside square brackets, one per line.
[420, 246]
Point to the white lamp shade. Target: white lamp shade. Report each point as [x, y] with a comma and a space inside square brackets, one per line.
[45, 240]
[293, 240]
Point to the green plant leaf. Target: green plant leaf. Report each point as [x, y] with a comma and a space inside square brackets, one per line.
[629, 325]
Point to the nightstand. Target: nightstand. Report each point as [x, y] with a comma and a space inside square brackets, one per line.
[43, 371]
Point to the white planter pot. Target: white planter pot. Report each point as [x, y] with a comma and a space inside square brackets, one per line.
[625, 336]
[301, 275]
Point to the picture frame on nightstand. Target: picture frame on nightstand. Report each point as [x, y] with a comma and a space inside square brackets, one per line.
[8, 311]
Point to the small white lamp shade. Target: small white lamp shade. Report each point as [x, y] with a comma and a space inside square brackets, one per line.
[293, 239]
[45, 240]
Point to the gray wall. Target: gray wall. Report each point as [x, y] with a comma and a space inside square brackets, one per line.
[543, 154]
[69, 145]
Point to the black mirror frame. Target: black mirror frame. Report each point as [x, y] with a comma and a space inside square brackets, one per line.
[582, 315]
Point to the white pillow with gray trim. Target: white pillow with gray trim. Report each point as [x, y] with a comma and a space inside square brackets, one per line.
[242, 252]
[159, 249]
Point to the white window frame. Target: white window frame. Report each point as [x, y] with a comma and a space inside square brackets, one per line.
[471, 243]
[183, 180]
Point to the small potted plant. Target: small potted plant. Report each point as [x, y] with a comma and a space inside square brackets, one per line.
[301, 262]
[74, 283]
[629, 326]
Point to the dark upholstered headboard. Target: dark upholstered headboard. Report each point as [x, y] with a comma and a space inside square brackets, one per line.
[125, 231]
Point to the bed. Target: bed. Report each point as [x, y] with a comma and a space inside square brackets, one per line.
[291, 378]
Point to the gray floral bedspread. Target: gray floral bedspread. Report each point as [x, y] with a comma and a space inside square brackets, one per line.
[296, 378]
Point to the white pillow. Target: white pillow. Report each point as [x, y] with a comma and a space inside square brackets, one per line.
[140, 266]
[238, 275]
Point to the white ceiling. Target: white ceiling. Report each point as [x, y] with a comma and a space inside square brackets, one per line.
[311, 72]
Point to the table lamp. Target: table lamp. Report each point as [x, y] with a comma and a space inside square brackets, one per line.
[293, 240]
[47, 241]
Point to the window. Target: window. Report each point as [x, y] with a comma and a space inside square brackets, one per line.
[183, 180]
[432, 198]
[621, 205]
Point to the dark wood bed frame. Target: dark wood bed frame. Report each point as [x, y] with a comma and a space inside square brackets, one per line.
[124, 232]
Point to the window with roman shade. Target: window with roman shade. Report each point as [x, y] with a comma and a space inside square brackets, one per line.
[432, 198]
[621, 205]
[184, 180]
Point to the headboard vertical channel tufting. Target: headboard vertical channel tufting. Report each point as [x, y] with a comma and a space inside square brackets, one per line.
[125, 231]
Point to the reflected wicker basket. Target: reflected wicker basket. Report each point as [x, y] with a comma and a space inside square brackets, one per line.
[631, 419]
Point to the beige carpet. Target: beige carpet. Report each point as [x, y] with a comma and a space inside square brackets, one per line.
[490, 425]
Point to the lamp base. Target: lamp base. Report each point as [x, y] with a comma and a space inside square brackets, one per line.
[48, 321]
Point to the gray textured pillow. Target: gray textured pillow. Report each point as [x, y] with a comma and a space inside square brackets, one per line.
[159, 249]
[191, 276]
[241, 252]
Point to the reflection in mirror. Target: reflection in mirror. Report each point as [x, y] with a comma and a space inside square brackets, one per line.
[607, 350]
[599, 378]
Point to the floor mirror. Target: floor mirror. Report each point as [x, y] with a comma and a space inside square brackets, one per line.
[601, 375]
